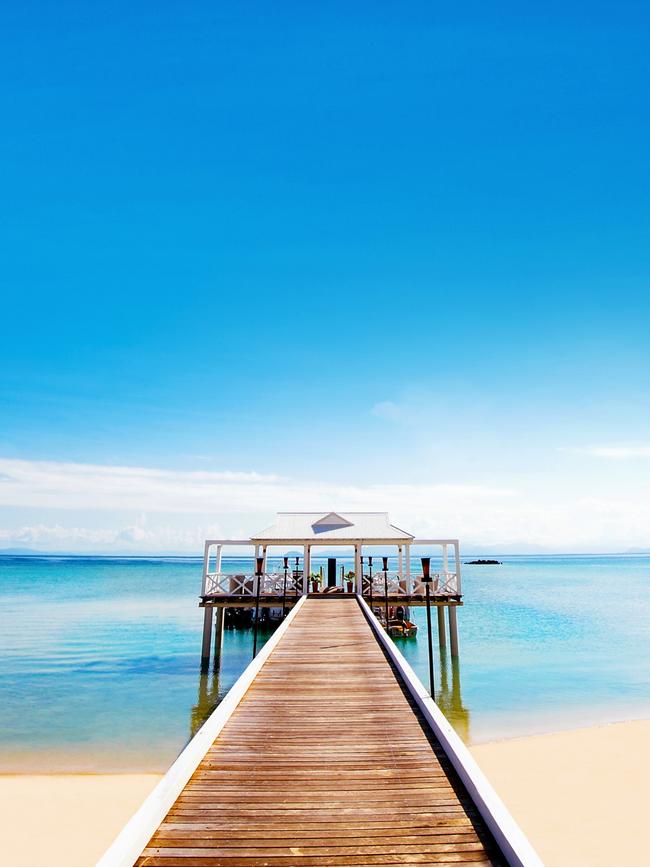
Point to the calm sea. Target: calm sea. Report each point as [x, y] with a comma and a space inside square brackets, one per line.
[99, 658]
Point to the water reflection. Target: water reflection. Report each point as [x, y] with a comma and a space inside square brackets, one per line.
[450, 699]
[208, 698]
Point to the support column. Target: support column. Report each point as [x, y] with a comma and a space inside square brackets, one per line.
[445, 561]
[453, 630]
[207, 636]
[253, 581]
[457, 559]
[306, 569]
[409, 588]
[358, 577]
[206, 567]
[218, 559]
[218, 634]
[442, 637]
[400, 562]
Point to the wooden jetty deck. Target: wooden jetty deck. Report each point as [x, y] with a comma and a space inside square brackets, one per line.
[326, 760]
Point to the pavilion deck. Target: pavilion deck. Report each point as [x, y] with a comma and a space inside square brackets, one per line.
[327, 760]
[273, 601]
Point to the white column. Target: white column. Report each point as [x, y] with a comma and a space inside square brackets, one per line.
[218, 559]
[256, 554]
[400, 561]
[457, 558]
[358, 577]
[407, 547]
[306, 569]
[206, 567]
[264, 555]
[445, 559]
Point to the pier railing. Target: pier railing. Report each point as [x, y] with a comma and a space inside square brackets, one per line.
[442, 584]
[272, 584]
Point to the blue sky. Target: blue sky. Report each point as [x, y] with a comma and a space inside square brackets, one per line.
[324, 257]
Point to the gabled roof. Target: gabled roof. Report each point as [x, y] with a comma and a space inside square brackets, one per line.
[332, 527]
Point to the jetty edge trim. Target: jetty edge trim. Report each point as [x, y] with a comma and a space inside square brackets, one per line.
[512, 841]
[134, 836]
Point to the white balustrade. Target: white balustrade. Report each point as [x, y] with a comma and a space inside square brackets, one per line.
[221, 584]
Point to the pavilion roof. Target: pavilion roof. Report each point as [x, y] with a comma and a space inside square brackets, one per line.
[332, 528]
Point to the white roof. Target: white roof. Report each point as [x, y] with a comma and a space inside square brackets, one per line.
[331, 527]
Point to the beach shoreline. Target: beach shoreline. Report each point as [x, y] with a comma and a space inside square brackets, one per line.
[559, 787]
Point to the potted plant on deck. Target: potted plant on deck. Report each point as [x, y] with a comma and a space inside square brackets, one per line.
[350, 579]
[315, 581]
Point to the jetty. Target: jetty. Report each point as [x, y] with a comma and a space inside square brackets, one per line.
[326, 751]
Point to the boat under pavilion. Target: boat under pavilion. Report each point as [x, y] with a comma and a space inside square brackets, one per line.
[387, 581]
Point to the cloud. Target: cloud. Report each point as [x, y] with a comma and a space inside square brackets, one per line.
[48, 484]
[616, 453]
[99, 507]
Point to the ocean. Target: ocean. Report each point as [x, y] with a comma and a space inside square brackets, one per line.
[100, 657]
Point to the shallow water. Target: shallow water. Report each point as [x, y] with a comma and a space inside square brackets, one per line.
[99, 658]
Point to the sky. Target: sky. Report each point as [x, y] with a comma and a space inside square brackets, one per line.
[327, 256]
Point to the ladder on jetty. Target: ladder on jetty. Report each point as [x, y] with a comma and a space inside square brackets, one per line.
[329, 752]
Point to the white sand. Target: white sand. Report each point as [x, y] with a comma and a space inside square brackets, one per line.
[581, 796]
[66, 821]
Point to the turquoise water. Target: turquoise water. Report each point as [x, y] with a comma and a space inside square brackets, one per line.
[99, 658]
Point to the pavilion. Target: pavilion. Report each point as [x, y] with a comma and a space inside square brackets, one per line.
[355, 531]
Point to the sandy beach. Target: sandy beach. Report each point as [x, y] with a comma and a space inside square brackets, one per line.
[574, 791]
[66, 820]
[570, 792]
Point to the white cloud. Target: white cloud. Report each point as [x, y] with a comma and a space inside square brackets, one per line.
[47, 484]
[150, 509]
[616, 453]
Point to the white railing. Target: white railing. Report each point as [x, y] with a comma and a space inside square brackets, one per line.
[442, 584]
[222, 584]
[272, 584]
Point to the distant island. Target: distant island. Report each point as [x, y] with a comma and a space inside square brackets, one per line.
[482, 562]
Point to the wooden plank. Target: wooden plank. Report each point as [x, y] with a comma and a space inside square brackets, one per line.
[324, 762]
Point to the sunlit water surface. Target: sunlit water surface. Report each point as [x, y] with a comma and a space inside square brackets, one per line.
[99, 658]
